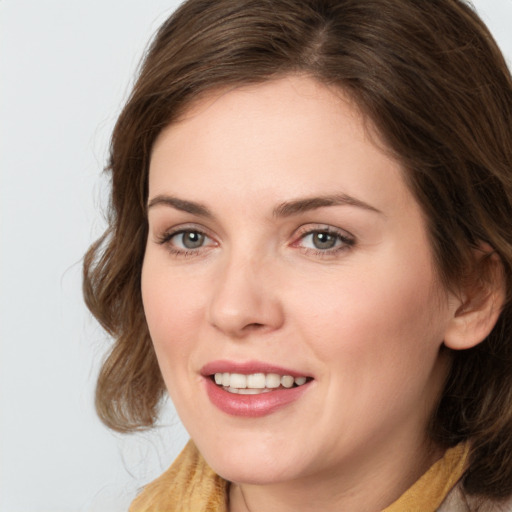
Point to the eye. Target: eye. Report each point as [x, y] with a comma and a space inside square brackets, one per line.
[324, 241]
[185, 241]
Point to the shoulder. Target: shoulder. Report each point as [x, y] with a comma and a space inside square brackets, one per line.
[189, 484]
[459, 501]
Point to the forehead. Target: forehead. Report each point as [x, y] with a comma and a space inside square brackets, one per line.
[285, 136]
[282, 88]
[234, 102]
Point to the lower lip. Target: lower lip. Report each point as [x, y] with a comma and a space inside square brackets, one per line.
[252, 406]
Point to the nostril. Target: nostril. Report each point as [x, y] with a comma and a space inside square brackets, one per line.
[254, 326]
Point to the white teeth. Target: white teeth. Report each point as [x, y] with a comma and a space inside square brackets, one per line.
[255, 382]
[287, 381]
[237, 380]
[273, 380]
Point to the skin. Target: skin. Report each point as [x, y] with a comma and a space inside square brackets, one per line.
[365, 318]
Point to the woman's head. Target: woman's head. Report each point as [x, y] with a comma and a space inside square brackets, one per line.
[436, 97]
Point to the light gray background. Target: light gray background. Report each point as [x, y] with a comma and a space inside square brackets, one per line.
[65, 68]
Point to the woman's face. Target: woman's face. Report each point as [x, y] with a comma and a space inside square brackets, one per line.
[284, 242]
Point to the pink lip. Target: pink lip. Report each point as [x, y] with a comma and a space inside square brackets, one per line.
[250, 406]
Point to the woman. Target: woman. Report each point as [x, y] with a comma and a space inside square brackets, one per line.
[310, 247]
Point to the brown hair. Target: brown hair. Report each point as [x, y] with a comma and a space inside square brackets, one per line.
[430, 77]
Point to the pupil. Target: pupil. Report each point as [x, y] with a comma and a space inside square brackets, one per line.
[193, 240]
[324, 241]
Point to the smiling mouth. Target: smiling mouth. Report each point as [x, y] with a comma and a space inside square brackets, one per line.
[256, 383]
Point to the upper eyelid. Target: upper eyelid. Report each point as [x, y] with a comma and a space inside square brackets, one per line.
[159, 221]
[319, 228]
[180, 228]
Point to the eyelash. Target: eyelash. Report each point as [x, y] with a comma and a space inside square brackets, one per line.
[343, 240]
[166, 238]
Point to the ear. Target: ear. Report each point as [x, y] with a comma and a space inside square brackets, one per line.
[480, 302]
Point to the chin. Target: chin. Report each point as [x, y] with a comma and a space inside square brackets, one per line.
[250, 464]
[262, 475]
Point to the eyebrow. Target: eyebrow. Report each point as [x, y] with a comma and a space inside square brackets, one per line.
[286, 209]
[290, 208]
[182, 205]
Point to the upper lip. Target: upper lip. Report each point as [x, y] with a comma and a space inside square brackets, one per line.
[247, 367]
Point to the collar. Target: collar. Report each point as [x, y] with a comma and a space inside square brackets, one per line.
[431, 489]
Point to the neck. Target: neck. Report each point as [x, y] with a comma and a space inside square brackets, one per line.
[371, 486]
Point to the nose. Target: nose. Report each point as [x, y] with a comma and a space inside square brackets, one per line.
[245, 299]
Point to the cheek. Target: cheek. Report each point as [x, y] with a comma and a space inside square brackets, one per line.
[379, 344]
[387, 317]
[171, 305]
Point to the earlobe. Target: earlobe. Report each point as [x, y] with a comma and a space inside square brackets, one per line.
[481, 305]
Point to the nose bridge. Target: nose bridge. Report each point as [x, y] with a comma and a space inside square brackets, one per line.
[244, 298]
